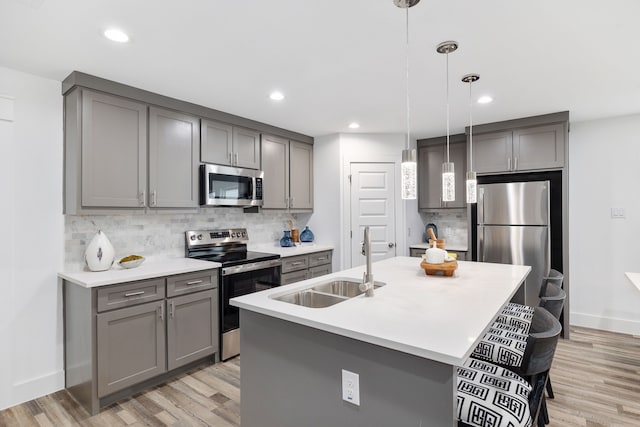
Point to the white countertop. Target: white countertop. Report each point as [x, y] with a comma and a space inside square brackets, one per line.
[453, 247]
[302, 249]
[435, 317]
[634, 278]
[150, 268]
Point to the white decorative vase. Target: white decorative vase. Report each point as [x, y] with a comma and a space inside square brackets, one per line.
[99, 255]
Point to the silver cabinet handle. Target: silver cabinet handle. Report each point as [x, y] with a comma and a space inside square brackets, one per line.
[515, 163]
[293, 264]
[194, 282]
[324, 258]
[141, 197]
[161, 311]
[508, 163]
[291, 202]
[133, 294]
[236, 159]
[154, 198]
[286, 202]
[171, 309]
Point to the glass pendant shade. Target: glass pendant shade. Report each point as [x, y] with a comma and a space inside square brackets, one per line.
[408, 175]
[472, 187]
[448, 182]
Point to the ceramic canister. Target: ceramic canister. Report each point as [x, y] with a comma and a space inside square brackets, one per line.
[100, 254]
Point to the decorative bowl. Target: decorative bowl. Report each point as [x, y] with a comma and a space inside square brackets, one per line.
[131, 261]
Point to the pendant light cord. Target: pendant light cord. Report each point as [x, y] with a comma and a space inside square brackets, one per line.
[470, 128]
[407, 82]
[447, 107]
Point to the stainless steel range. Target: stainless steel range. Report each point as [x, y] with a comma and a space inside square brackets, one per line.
[242, 272]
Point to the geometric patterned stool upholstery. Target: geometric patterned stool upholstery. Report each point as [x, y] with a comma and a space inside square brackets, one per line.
[517, 315]
[491, 396]
[501, 345]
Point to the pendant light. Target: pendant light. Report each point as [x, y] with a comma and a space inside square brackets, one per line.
[448, 174]
[409, 164]
[472, 181]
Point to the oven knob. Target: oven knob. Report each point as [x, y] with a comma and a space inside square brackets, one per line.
[193, 237]
[199, 236]
[244, 234]
[233, 235]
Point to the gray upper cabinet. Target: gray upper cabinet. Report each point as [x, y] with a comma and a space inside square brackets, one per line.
[300, 175]
[275, 164]
[113, 144]
[431, 154]
[224, 144]
[522, 149]
[174, 142]
[288, 174]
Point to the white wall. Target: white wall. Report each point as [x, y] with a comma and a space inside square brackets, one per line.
[604, 172]
[31, 239]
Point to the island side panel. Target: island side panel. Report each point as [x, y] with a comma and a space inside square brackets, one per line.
[292, 377]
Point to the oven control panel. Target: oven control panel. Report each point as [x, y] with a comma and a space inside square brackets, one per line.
[216, 237]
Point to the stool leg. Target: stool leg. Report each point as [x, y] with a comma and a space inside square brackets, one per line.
[545, 412]
[549, 389]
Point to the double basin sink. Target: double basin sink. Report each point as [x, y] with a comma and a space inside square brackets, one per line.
[325, 294]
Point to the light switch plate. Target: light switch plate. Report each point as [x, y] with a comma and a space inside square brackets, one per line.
[351, 387]
[617, 213]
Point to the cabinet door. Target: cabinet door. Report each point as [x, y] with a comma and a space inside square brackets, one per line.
[192, 327]
[540, 147]
[458, 155]
[301, 175]
[430, 160]
[217, 143]
[114, 151]
[246, 148]
[492, 152]
[275, 164]
[174, 143]
[130, 346]
[320, 270]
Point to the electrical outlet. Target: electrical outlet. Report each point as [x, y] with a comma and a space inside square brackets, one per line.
[351, 387]
[617, 213]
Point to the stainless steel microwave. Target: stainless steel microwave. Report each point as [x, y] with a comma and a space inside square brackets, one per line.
[229, 186]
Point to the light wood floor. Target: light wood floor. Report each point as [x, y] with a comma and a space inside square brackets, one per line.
[596, 379]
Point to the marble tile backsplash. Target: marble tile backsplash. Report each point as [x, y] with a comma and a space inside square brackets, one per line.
[452, 225]
[162, 234]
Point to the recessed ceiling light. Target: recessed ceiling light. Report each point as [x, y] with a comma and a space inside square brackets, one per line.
[276, 96]
[116, 35]
[485, 99]
[353, 125]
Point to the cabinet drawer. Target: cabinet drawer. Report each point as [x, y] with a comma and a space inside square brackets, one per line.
[320, 258]
[295, 263]
[319, 270]
[191, 282]
[132, 293]
[416, 252]
[296, 276]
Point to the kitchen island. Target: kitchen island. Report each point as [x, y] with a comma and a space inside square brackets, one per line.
[404, 344]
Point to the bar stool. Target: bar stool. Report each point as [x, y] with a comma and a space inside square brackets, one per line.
[492, 395]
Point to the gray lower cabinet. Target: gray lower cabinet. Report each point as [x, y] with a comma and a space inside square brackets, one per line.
[224, 144]
[302, 267]
[131, 346]
[192, 327]
[522, 149]
[288, 174]
[431, 154]
[174, 146]
[122, 338]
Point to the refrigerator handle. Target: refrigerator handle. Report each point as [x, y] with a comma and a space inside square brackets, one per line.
[480, 205]
[480, 238]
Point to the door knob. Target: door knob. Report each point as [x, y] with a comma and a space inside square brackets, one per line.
[391, 245]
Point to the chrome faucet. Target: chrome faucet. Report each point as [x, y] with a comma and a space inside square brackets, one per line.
[367, 279]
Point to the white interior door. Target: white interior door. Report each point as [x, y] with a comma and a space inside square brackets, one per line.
[373, 204]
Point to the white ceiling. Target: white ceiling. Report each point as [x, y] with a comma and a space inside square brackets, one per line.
[340, 61]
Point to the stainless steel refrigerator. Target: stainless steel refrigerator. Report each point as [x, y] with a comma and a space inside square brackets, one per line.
[513, 228]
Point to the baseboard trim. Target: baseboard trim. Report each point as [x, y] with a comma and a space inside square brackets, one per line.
[33, 388]
[610, 324]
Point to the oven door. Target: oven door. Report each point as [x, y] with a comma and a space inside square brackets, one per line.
[237, 282]
[227, 186]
